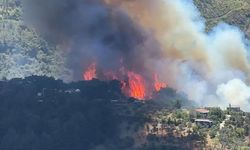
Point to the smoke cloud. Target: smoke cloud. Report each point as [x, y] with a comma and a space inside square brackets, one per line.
[166, 37]
[92, 30]
[235, 92]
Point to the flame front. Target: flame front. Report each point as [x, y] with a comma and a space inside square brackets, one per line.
[158, 85]
[90, 73]
[136, 84]
[133, 84]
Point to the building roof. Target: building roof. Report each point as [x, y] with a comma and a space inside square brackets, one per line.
[202, 110]
[203, 120]
[234, 107]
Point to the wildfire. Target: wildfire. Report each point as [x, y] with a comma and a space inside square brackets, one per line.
[136, 84]
[90, 73]
[132, 84]
[157, 84]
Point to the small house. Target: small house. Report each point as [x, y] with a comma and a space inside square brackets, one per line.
[202, 112]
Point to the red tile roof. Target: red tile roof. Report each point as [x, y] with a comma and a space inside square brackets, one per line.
[202, 110]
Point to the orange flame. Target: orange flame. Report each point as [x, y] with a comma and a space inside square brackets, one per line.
[157, 84]
[137, 88]
[90, 73]
[132, 84]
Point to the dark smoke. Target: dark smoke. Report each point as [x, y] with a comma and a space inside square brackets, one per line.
[91, 30]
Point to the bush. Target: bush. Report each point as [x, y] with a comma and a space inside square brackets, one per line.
[212, 133]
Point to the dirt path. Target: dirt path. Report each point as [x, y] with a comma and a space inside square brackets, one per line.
[227, 13]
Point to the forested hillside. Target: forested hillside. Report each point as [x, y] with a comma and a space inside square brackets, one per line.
[22, 50]
[41, 113]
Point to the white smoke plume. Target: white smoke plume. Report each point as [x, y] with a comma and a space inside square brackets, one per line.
[196, 62]
[235, 92]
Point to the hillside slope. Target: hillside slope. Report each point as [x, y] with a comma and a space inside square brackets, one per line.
[233, 12]
[23, 51]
